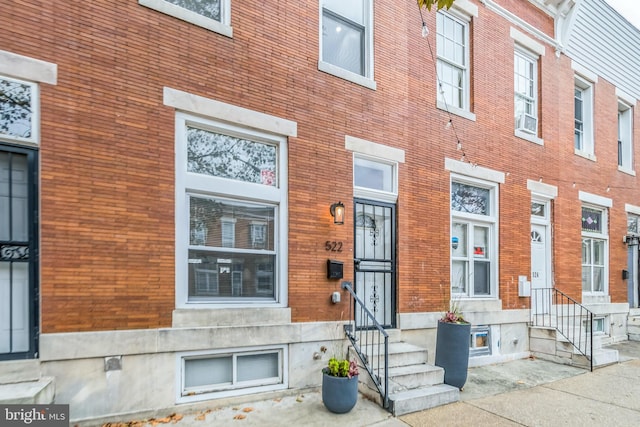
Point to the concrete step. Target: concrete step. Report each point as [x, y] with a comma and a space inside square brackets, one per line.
[15, 371]
[414, 376]
[418, 399]
[40, 392]
[601, 357]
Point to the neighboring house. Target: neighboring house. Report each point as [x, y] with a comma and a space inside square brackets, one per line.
[167, 170]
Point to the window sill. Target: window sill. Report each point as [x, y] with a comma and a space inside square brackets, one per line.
[529, 137]
[627, 171]
[178, 12]
[347, 75]
[586, 155]
[457, 111]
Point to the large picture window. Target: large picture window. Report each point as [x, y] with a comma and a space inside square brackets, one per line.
[231, 181]
[473, 239]
[594, 250]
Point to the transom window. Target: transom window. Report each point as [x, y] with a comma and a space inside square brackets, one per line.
[625, 136]
[473, 239]
[594, 249]
[633, 224]
[214, 15]
[453, 56]
[346, 38]
[526, 92]
[18, 110]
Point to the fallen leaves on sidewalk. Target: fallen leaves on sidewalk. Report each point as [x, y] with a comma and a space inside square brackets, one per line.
[173, 418]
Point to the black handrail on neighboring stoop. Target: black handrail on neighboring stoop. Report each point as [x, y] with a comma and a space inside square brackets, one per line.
[370, 342]
[565, 315]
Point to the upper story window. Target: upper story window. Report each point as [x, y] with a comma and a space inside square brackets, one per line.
[526, 93]
[18, 110]
[453, 62]
[473, 239]
[346, 47]
[583, 117]
[625, 136]
[214, 15]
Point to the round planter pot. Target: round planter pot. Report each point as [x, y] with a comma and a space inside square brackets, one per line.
[452, 352]
[339, 394]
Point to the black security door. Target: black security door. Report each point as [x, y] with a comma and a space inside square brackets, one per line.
[374, 259]
[18, 253]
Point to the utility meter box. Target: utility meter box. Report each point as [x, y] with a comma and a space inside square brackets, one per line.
[524, 287]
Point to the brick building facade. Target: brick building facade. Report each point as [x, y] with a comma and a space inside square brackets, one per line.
[180, 164]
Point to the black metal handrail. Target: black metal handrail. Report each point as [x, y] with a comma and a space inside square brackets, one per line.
[370, 342]
[553, 308]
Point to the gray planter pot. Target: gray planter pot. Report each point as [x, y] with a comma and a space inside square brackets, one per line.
[452, 352]
[339, 394]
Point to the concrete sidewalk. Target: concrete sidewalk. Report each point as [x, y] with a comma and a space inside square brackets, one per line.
[526, 392]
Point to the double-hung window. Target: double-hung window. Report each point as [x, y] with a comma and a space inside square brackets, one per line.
[453, 62]
[625, 137]
[473, 239]
[214, 15]
[594, 249]
[526, 92]
[583, 117]
[346, 47]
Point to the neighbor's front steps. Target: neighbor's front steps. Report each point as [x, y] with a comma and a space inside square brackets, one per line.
[548, 344]
[22, 383]
[633, 324]
[414, 385]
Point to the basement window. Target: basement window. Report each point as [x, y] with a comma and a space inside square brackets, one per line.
[480, 341]
[207, 375]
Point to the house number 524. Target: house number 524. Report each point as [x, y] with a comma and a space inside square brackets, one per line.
[333, 246]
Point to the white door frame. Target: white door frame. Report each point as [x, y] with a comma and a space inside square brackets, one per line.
[542, 221]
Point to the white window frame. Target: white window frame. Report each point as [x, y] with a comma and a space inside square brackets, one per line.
[235, 388]
[490, 221]
[587, 148]
[221, 27]
[625, 137]
[457, 18]
[227, 232]
[532, 59]
[474, 350]
[366, 80]
[602, 236]
[263, 127]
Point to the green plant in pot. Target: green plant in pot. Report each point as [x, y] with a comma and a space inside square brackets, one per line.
[340, 385]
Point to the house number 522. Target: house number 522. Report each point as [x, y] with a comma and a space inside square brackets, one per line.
[333, 246]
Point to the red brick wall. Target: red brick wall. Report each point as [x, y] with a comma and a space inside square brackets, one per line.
[107, 181]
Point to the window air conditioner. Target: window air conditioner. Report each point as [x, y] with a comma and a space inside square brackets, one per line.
[528, 123]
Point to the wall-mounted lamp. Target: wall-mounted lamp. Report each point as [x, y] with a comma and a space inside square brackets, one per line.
[337, 212]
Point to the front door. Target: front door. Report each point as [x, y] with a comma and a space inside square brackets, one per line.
[540, 283]
[18, 250]
[375, 259]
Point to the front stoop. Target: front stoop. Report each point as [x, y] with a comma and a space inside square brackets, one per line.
[633, 326]
[22, 383]
[549, 344]
[414, 385]
[39, 392]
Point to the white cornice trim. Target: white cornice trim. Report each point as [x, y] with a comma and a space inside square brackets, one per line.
[521, 23]
[26, 68]
[468, 169]
[595, 199]
[542, 189]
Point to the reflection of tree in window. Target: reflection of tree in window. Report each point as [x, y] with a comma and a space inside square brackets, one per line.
[15, 109]
[226, 156]
[466, 198]
[208, 8]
